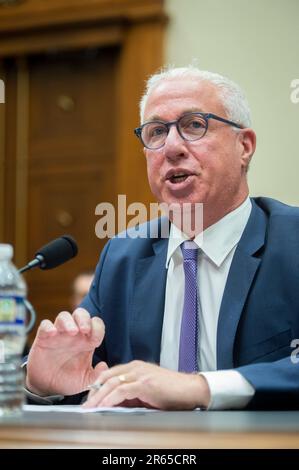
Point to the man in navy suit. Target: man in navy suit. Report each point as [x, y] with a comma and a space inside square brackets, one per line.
[124, 341]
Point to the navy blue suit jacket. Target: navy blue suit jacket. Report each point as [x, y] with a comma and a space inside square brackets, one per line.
[259, 314]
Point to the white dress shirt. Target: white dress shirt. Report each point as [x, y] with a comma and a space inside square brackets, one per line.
[229, 389]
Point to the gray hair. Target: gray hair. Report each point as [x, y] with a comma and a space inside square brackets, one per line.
[233, 98]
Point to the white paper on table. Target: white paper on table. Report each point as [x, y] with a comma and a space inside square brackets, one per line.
[80, 409]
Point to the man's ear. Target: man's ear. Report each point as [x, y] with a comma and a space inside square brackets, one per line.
[247, 141]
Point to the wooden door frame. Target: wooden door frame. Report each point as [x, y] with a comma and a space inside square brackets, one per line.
[136, 28]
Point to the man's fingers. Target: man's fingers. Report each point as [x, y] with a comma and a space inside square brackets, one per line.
[132, 369]
[102, 389]
[82, 320]
[79, 322]
[112, 393]
[100, 367]
[97, 330]
[128, 391]
[65, 324]
[96, 397]
[46, 329]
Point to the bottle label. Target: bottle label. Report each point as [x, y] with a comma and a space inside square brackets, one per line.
[12, 309]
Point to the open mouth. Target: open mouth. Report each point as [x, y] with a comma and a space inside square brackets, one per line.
[178, 178]
[178, 175]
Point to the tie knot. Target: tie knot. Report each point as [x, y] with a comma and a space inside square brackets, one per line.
[189, 250]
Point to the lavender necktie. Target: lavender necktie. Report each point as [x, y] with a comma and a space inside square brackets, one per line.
[189, 324]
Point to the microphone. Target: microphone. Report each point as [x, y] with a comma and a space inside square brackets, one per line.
[53, 254]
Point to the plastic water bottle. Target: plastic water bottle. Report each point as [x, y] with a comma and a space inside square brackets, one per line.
[13, 291]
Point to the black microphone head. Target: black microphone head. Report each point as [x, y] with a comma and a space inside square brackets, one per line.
[57, 252]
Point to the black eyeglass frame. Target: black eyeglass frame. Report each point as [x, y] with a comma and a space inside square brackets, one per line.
[205, 116]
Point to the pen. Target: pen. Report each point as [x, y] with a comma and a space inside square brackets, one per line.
[96, 386]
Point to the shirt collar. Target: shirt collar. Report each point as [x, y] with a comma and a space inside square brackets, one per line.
[217, 240]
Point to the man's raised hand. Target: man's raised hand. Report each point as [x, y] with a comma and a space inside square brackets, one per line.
[60, 360]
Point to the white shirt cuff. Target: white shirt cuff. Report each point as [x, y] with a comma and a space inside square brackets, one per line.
[229, 390]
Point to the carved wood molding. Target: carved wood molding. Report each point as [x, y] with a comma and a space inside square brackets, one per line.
[35, 41]
[33, 14]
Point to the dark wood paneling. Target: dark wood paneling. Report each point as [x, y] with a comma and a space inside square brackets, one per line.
[71, 164]
[10, 131]
[72, 107]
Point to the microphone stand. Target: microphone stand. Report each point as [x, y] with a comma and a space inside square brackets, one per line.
[38, 261]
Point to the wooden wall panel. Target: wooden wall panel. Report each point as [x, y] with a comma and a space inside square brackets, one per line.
[71, 164]
[9, 130]
[72, 107]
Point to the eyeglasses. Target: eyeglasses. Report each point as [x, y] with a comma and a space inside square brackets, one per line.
[191, 126]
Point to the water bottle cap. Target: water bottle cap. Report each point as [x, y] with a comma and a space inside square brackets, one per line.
[6, 251]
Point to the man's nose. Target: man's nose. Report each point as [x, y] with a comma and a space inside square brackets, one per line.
[175, 146]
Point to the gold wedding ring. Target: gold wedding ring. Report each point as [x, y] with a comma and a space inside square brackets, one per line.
[122, 378]
[97, 385]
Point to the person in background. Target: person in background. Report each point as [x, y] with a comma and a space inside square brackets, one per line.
[80, 287]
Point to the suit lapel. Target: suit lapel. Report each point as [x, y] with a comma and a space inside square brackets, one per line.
[241, 275]
[148, 304]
